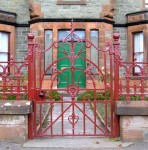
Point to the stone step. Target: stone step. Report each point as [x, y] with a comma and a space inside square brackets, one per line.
[70, 143]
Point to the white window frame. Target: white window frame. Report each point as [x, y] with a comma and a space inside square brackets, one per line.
[94, 53]
[71, 2]
[138, 49]
[146, 3]
[4, 49]
[48, 58]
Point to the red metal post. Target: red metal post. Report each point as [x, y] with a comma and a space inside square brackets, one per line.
[30, 82]
[116, 83]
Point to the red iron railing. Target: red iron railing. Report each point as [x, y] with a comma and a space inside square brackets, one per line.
[133, 87]
[128, 85]
[14, 80]
[113, 80]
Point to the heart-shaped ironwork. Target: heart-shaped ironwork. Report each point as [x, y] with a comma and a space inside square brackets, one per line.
[73, 119]
[73, 90]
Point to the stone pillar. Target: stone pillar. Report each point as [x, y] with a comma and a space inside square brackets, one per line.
[14, 120]
[133, 120]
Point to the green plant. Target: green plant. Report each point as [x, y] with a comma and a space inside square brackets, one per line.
[10, 96]
[135, 98]
[89, 96]
[114, 139]
[54, 95]
[122, 98]
[14, 97]
[132, 98]
[23, 79]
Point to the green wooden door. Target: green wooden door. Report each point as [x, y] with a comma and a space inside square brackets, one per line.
[65, 78]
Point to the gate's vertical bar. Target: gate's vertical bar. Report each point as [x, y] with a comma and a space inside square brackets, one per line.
[142, 84]
[62, 111]
[30, 82]
[111, 53]
[4, 77]
[116, 84]
[18, 77]
[35, 90]
[84, 119]
[106, 118]
[73, 82]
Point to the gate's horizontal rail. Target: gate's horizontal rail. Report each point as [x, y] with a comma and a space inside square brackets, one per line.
[77, 135]
[80, 102]
[65, 89]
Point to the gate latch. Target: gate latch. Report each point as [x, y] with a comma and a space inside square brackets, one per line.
[42, 94]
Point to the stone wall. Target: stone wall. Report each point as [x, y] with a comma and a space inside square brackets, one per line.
[20, 7]
[21, 42]
[133, 116]
[122, 7]
[133, 128]
[14, 120]
[92, 9]
[14, 128]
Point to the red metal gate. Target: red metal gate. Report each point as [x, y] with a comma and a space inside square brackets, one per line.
[73, 110]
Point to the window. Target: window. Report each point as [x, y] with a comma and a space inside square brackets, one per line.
[146, 3]
[94, 34]
[138, 49]
[63, 33]
[48, 53]
[4, 48]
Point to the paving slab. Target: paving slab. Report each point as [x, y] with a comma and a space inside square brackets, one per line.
[76, 143]
[16, 146]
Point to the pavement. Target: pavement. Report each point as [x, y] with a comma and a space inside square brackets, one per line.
[74, 144]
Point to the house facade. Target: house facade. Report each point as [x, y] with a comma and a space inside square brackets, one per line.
[94, 20]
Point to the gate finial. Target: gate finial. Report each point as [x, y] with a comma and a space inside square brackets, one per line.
[116, 36]
[30, 36]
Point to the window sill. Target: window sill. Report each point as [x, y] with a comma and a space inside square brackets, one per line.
[63, 2]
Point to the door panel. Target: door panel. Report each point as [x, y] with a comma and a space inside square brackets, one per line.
[66, 77]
